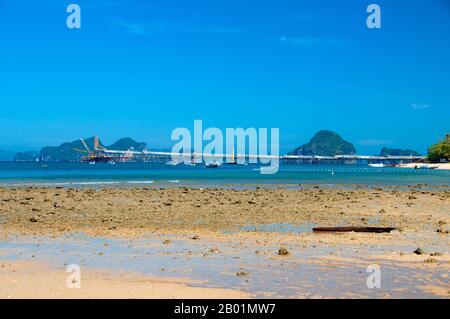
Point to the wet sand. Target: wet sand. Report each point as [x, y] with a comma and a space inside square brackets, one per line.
[39, 280]
[255, 243]
[139, 211]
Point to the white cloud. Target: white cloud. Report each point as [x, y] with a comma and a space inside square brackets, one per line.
[139, 28]
[157, 28]
[311, 41]
[299, 18]
[215, 30]
[420, 106]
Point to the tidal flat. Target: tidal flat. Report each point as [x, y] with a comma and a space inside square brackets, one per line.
[240, 243]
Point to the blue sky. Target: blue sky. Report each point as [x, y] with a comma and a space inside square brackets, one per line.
[142, 68]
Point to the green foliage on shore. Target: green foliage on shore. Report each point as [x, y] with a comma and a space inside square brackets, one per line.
[325, 143]
[441, 151]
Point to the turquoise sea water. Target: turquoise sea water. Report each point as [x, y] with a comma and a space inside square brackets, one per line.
[158, 174]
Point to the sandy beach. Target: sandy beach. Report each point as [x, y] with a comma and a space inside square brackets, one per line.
[39, 280]
[229, 241]
[438, 166]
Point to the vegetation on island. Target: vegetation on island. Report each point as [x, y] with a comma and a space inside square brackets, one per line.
[325, 143]
[440, 152]
[127, 143]
[73, 151]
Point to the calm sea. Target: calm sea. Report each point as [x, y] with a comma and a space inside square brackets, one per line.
[157, 174]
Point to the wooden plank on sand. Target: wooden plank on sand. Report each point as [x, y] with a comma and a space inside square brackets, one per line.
[355, 229]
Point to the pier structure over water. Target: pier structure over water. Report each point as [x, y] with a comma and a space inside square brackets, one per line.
[106, 155]
[352, 159]
[102, 155]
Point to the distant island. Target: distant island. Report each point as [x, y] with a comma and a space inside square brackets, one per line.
[73, 151]
[29, 156]
[6, 155]
[397, 152]
[325, 143]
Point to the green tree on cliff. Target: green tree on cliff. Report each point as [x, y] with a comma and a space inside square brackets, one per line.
[440, 151]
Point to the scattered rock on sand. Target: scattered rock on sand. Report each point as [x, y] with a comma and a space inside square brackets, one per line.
[430, 260]
[166, 242]
[419, 251]
[435, 254]
[195, 237]
[442, 231]
[241, 273]
[283, 251]
[110, 207]
[34, 219]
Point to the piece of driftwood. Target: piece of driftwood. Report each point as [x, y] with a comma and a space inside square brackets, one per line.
[355, 229]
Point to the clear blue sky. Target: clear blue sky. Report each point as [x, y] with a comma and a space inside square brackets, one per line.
[141, 68]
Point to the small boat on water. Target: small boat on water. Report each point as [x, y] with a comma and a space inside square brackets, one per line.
[377, 165]
[212, 165]
[425, 167]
